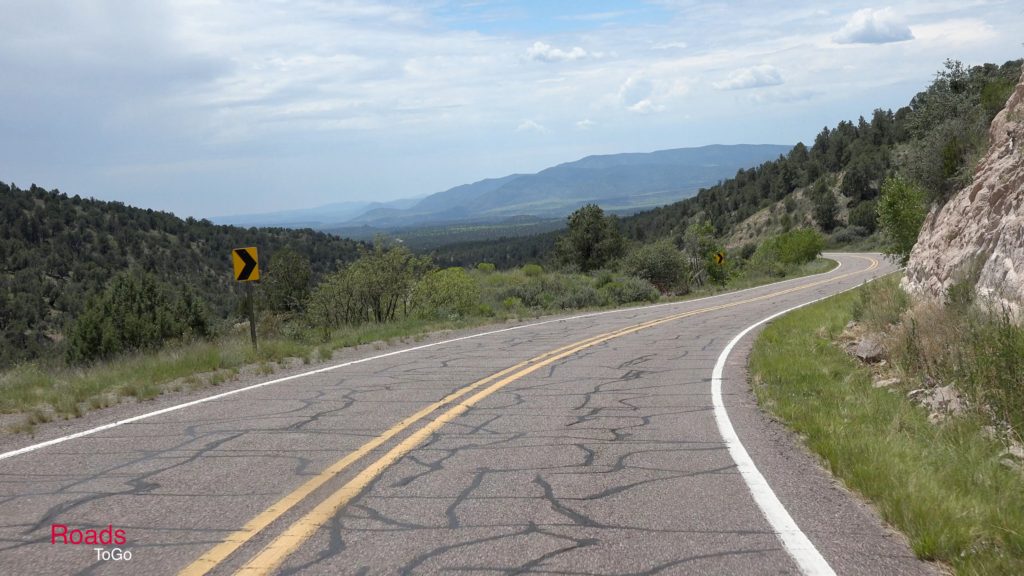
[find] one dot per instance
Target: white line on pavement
(115, 424)
(799, 547)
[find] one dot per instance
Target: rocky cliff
(980, 231)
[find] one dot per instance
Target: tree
(592, 240)
(132, 313)
(865, 215)
(901, 212)
(825, 210)
(287, 282)
(384, 277)
(699, 244)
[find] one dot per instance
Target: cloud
(869, 26)
(753, 77)
(652, 90)
(586, 124)
(543, 52)
(636, 95)
(531, 126)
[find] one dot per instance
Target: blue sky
(209, 109)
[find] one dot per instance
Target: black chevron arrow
(250, 264)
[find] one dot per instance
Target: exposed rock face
(983, 224)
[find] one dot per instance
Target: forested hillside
(56, 251)
(831, 185)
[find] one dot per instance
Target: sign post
(719, 258)
(247, 269)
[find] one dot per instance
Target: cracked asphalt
(606, 461)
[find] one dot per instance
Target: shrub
(578, 295)
(533, 270)
(447, 292)
(865, 215)
(794, 247)
(485, 267)
(880, 304)
(901, 212)
(660, 263)
(134, 312)
(848, 235)
(628, 289)
(286, 284)
(511, 303)
(383, 279)
(334, 303)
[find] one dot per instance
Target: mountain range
(620, 183)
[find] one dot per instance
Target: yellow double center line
(274, 554)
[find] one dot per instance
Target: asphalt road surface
(590, 444)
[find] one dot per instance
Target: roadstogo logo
(109, 536)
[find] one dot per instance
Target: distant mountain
(619, 182)
(318, 218)
(623, 183)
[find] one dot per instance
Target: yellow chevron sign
(247, 266)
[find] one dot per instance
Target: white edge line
(116, 423)
(796, 543)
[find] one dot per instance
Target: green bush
(660, 263)
(134, 312)
(865, 215)
(790, 248)
(629, 289)
(511, 303)
(286, 282)
(335, 303)
(533, 270)
(446, 293)
(901, 212)
(485, 267)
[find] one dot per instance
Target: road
(590, 444)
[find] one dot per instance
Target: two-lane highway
(622, 442)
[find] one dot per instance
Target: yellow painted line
(220, 552)
(273, 555)
(235, 540)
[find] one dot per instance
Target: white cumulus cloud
(586, 124)
(531, 126)
(544, 52)
(870, 26)
(753, 77)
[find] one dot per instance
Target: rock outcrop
(982, 226)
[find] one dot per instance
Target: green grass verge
(941, 485)
(43, 393)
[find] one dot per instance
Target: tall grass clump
(959, 341)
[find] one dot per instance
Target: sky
(209, 108)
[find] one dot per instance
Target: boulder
(870, 350)
(982, 225)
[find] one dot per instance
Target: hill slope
(622, 182)
(833, 184)
(56, 250)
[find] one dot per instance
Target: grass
(942, 485)
(42, 393)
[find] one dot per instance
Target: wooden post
(252, 313)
